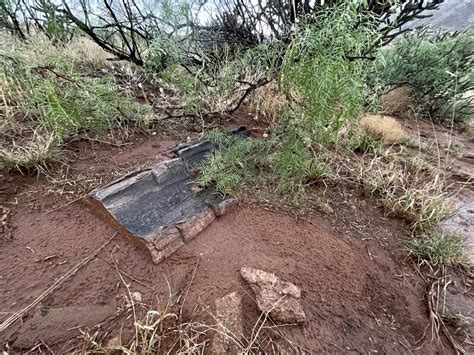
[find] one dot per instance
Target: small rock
(279, 298)
(224, 207)
(230, 326)
(114, 342)
(137, 296)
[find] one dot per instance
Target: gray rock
(157, 207)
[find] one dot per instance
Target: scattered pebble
(137, 296)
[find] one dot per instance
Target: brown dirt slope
(359, 294)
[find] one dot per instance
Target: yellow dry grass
(385, 129)
(268, 102)
(84, 51)
(81, 51)
(399, 102)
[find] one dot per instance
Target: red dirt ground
(360, 294)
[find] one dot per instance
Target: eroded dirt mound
(351, 301)
(357, 295)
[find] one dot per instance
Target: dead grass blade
(436, 297)
(18, 315)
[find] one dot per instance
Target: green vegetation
(310, 75)
(43, 90)
(326, 86)
(162, 53)
(320, 135)
(326, 94)
(314, 81)
(437, 249)
(237, 164)
(438, 67)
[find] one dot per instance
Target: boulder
(278, 298)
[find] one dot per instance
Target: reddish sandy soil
(360, 293)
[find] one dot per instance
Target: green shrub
(162, 53)
(438, 66)
(42, 88)
(438, 249)
(326, 84)
(326, 91)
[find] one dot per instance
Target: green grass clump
(238, 163)
(42, 89)
(437, 249)
(277, 167)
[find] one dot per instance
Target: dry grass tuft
(38, 152)
(442, 320)
(81, 51)
(385, 129)
(154, 332)
(418, 196)
(268, 101)
(164, 329)
(85, 53)
(422, 197)
(399, 101)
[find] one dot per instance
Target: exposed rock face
(279, 298)
(157, 206)
(230, 327)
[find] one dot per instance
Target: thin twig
(132, 303)
(114, 265)
(51, 70)
(65, 205)
(18, 315)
